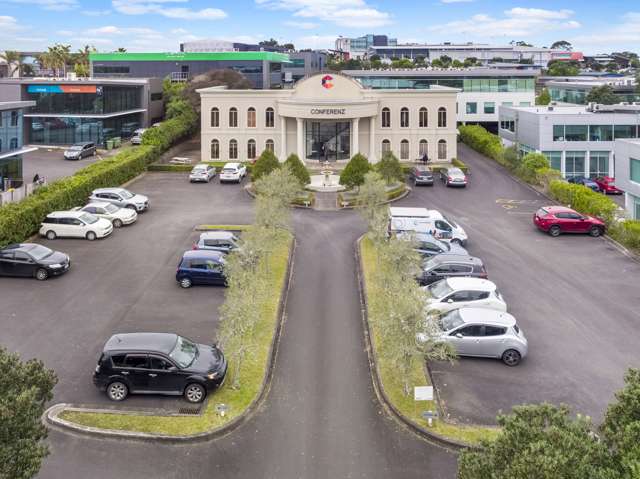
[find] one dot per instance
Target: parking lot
(576, 298)
(123, 283)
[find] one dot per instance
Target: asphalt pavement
(49, 163)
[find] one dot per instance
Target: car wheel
(117, 391)
(194, 393)
(51, 235)
(131, 207)
(511, 357)
(41, 274)
(554, 231)
(457, 241)
(595, 231)
(117, 223)
(91, 236)
(185, 283)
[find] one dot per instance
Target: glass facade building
(10, 141)
(465, 84)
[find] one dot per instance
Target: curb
(404, 194)
(377, 383)
(51, 415)
(247, 189)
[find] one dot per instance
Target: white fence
(13, 195)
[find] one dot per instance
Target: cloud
(316, 41)
(622, 36)
(144, 7)
(8, 23)
(517, 22)
(57, 5)
(455, 1)
(302, 25)
(96, 13)
(345, 13)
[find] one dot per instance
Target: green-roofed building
(263, 69)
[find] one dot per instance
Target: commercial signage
(327, 82)
(328, 111)
(62, 89)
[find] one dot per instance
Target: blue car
(581, 180)
(201, 267)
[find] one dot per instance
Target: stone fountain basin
(326, 183)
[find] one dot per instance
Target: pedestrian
(425, 159)
(36, 178)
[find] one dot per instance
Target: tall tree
(544, 98)
(14, 62)
(561, 45)
(602, 94)
(373, 194)
(389, 168)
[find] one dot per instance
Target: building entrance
(327, 140)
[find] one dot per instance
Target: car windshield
(542, 212)
(229, 170)
(88, 218)
(39, 252)
(450, 221)
(184, 352)
(440, 289)
(451, 320)
(75, 147)
(126, 194)
(111, 208)
(199, 169)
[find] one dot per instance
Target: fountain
(326, 181)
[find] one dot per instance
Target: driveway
(576, 297)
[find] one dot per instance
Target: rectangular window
(156, 96)
(636, 201)
(598, 163)
(624, 131)
(555, 158)
(525, 103)
(634, 170)
(576, 132)
(509, 125)
(600, 133)
(489, 107)
(574, 163)
(472, 108)
(558, 132)
(507, 103)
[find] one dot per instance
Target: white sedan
(117, 216)
(454, 293)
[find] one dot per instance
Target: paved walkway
(326, 201)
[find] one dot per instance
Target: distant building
(303, 64)
(575, 90)
(359, 47)
(11, 143)
(216, 45)
(627, 153)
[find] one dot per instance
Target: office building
(358, 47)
(328, 117)
(578, 140)
(627, 154)
(575, 90)
(11, 143)
(303, 64)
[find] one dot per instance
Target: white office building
(328, 117)
(627, 154)
(578, 140)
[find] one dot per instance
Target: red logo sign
(327, 82)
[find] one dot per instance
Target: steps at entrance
(326, 201)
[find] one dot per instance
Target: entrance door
(328, 140)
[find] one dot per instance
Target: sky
(160, 25)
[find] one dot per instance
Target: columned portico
(355, 133)
(283, 137)
(300, 138)
(372, 140)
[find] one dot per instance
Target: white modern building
(575, 90)
(627, 153)
(578, 140)
(328, 117)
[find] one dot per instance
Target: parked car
(560, 219)
(421, 176)
(450, 265)
(75, 224)
(201, 267)
(158, 363)
(80, 151)
(581, 180)
(223, 241)
(121, 197)
(422, 220)
(202, 172)
(454, 293)
(428, 245)
(32, 261)
(607, 185)
(136, 139)
(453, 176)
(118, 216)
(485, 333)
(233, 172)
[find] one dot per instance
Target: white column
(563, 165)
(300, 138)
(283, 138)
(355, 145)
(372, 140)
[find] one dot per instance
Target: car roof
(487, 316)
(231, 165)
(201, 165)
(97, 204)
(203, 254)
(557, 209)
(216, 235)
(476, 284)
(455, 169)
(66, 214)
(456, 258)
(83, 143)
(160, 342)
(408, 212)
(20, 247)
(108, 190)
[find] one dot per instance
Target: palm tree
(45, 61)
(14, 61)
(80, 60)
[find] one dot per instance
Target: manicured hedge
(482, 141)
(583, 199)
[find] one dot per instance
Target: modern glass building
(11, 146)
(576, 91)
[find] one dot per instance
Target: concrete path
(326, 201)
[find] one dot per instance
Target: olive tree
(390, 169)
(371, 206)
(353, 174)
(274, 194)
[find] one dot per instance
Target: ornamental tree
(353, 174)
(264, 165)
(389, 168)
(372, 196)
(544, 98)
(298, 169)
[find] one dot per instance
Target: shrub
(389, 168)
(547, 175)
(265, 164)
(584, 200)
(628, 233)
(531, 163)
(298, 169)
(353, 173)
(460, 164)
(510, 157)
(482, 141)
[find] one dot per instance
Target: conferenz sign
(328, 111)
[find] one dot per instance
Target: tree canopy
(544, 98)
(264, 165)
(353, 174)
(389, 168)
(561, 45)
(563, 68)
(298, 169)
(603, 95)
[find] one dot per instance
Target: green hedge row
(187, 168)
(482, 141)
(20, 220)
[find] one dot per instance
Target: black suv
(451, 266)
(32, 261)
(421, 176)
(158, 363)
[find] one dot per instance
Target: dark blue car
(581, 180)
(201, 267)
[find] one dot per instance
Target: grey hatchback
(450, 266)
(80, 151)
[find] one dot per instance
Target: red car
(607, 186)
(559, 219)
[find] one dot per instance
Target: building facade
(11, 143)
(627, 154)
(67, 112)
(302, 64)
(262, 69)
(358, 47)
(579, 141)
(575, 91)
(328, 117)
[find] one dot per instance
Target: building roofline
(483, 72)
(12, 105)
(77, 81)
(187, 56)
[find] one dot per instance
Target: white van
(422, 220)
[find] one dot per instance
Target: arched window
(424, 117)
(442, 117)
(251, 117)
(215, 118)
(269, 118)
(404, 117)
(423, 148)
(386, 118)
(14, 118)
(386, 146)
(233, 117)
(442, 149)
(269, 145)
(251, 149)
(13, 144)
(404, 150)
(233, 149)
(215, 150)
